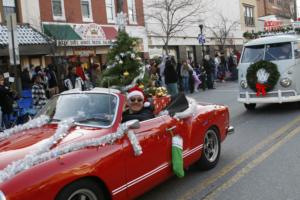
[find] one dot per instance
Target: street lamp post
(202, 42)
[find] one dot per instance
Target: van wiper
(258, 57)
(274, 57)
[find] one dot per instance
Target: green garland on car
(270, 67)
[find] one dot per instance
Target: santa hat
(136, 91)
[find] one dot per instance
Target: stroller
(22, 109)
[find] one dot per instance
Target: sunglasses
(136, 100)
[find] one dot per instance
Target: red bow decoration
(261, 89)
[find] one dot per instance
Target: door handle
(171, 128)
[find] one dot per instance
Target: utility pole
(13, 47)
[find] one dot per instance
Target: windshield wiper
(55, 120)
(102, 119)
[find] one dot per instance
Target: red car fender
(47, 179)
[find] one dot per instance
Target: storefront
(86, 44)
(33, 46)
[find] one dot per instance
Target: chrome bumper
(230, 130)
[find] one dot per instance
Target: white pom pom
(147, 104)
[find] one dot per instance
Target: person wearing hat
(138, 107)
(38, 92)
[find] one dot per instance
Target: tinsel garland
(35, 123)
(44, 153)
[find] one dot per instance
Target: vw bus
(284, 52)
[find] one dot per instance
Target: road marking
(250, 166)
(225, 170)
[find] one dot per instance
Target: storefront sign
(90, 31)
(273, 25)
(84, 42)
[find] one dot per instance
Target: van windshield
(253, 53)
(278, 51)
(270, 52)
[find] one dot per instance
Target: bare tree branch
(222, 29)
(173, 16)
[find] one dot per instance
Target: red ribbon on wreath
(261, 89)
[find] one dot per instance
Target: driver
(137, 107)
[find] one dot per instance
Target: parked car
(93, 157)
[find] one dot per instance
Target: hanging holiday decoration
(177, 158)
(45, 153)
(262, 76)
(126, 73)
(34, 123)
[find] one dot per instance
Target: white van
(284, 52)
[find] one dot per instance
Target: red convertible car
(77, 147)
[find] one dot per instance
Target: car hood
(21, 144)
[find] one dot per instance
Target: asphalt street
(260, 161)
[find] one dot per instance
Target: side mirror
(133, 124)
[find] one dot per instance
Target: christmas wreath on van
(262, 76)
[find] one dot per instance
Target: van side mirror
(133, 124)
(297, 53)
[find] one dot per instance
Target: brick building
(85, 29)
(275, 14)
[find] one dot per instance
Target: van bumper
(277, 97)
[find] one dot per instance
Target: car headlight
(2, 196)
(285, 82)
(244, 84)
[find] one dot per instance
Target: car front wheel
(82, 189)
(211, 150)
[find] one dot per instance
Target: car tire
(80, 189)
(211, 150)
(250, 106)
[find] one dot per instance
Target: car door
(183, 128)
(153, 165)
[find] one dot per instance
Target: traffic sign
(201, 39)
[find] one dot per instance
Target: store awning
(110, 32)
(26, 36)
(61, 32)
(31, 41)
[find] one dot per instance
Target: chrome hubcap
(211, 146)
(83, 194)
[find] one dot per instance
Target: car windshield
(87, 109)
(253, 53)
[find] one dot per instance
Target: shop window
(132, 12)
(58, 10)
(86, 10)
(249, 15)
(110, 10)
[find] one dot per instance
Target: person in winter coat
(6, 102)
(73, 80)
(171, 78)
(38, 92)
(185, 74)
(25, 79)
(52, 80)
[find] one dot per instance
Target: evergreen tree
(123, 62)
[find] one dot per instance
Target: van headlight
(285, 82)
(2, 196)
(244, 84)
